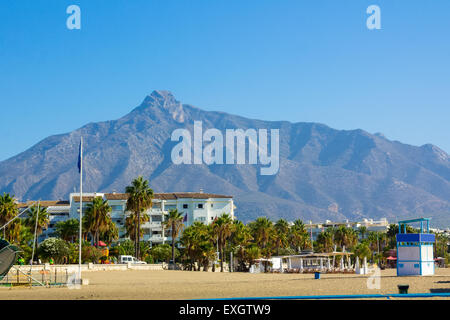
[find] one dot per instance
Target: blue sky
(312, 61)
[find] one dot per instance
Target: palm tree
(240, 239)
(139, 201)
(362, 231)
(131, 225)
(188, 240)
(262, 231)
(174, 222)
(325, 240)
(42, 220)
(345, 237)
(8, 210)
(222, 227)
(281, 234)
(252, 253)
(110, 233)
(67, 230)
(97, 218)
(205, 245)
(299, 235)
(362, 251)
(212, 238)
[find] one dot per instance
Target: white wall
(409, 268)
(408, 253)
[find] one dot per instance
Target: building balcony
(155, 224)
(159, 238)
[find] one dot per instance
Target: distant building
(194, 206)
(57, 211)
(381, 225)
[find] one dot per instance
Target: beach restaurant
(308, 262)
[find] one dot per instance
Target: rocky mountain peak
(166, 101)
(162, 98)
(324, 173)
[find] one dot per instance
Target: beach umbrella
(101, 244)
(357, 270)
(301, 264)
(321, 263)
(342, 264)
(328, 264)
(349, 265)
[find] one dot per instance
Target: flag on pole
(80, 167)
(79, 158)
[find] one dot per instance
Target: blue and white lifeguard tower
(415, 250)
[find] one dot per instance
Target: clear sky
(312, 61)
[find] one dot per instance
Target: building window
(200, 205)
(212, 205)
(185, 206)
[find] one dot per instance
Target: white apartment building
(57, 211)
(195, 206)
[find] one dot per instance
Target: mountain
(324, 173)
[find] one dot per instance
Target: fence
(26, 276)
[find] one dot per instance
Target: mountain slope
(324, 173)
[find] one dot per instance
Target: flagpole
(81, 207)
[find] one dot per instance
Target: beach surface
(173, 285)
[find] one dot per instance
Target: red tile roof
(116, 196)
(184, 195)
(85, 198)
(45, 203)
(124, 196)
(169, 196)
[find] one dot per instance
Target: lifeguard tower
(415, 250)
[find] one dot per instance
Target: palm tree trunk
(221, 256)
(173, 246)
(138, 234)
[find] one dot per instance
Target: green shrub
(126, 248)
(54, 248)
(163, 252)
(149, 259)
(90, 254)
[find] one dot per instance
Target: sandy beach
(169, 285)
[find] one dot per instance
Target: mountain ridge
(324, 173)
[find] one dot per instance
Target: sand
(166, 284)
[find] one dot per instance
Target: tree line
(196, 247)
